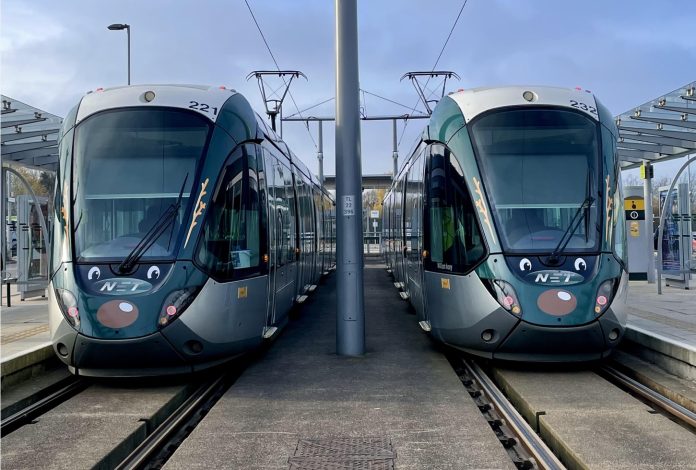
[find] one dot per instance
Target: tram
(504, 227)
(186, 230)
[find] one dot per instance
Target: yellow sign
(242, 292)
(634, 204)
(444, 283)
(635, 229)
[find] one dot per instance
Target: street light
(119, 27)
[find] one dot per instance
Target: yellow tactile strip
(12, 337)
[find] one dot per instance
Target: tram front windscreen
(130, 167)
(540, 170)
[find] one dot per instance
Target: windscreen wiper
(153, 234)
(572, 227)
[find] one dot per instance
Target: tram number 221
(203, 107)
(583, 106)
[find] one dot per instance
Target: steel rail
(50, 401)
(142, 455)
(681, 413)
(529, 439)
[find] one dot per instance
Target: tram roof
(29, 135)
(661, 129)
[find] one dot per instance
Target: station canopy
(661, 129)
(29, 135)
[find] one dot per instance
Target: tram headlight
(175, 304)
(68, 305)
(605, 294)
(506, 296)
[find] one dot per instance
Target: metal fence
(372, 243)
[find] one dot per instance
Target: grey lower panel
(516, 340)
(63, 339)
(152, 355)
(536, 343)
(498, 324)
(112, 357)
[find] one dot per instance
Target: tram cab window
(130, 167)
(540, 167)
(230, 243)
(454, 237)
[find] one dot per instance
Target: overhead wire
(439, 56)
(278, 68)
(365, 92)
(389, 100)
(312, 107)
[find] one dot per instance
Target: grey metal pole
(320, 153)
(128, 33)
(647, 197)
(395, 150)
(350, 312)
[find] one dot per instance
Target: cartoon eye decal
(525, 265)
(580, 264)
(153, 272)
(94, 272)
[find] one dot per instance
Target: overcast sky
(626, 52)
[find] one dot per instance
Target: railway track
(161, 443)
(679, 413)
(53, 396)
(525, 447)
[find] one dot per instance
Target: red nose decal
(117, 313)
(557, 302)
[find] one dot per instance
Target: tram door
(305, 233)
(290, 236)
(274, 227)
(280, 284)
(413, 216)
(401, 235)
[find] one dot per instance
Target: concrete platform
(95, 429)
(682, 391)
(591, 423)
(672, 314)
(662, 328)
(402, 390)
(23, 326)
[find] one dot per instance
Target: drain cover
(343, 453)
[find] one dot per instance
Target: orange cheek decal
(557, 302)
(117, 313)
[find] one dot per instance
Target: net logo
(122, 286)
(553, 277)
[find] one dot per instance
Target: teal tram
(185, 231)
(504, 227)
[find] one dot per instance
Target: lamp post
(119, 27)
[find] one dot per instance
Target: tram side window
(619, 228)
(290, 235)
(455, 239)
(230, 242)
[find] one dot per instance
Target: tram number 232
(203, 107)
(583, 106)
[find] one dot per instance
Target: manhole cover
(343, 453)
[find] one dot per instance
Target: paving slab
(672, 314)
(591, 423)
(96, 428)
(403, 389)
(24, 326)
